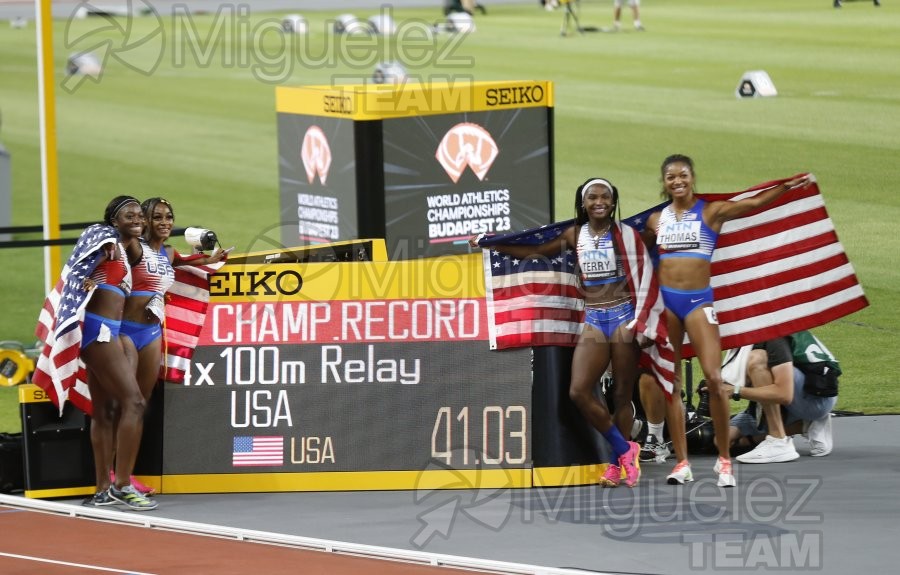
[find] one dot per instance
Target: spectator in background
(467, 6)
(635, 12)
(838, 3)
(777, 385)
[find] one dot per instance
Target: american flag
(779, 269)
(257, 451)
(186, 303)
(59, 370)
(775, 271)
(537, 300)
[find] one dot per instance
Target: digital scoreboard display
(424, 166)
(448, 177)
(317, 171)
(364, 367)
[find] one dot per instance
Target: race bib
(683, 235)
(598, 264)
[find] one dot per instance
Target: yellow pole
(49, 164)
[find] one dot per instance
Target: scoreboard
(423, 165)
(362, 375)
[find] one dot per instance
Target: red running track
(42, 543)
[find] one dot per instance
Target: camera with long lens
(700, 435)
(200, 239)
(703, 403)
(698, 425)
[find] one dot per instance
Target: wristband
(479, 237)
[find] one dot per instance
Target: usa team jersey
(688, 238)
(115, 273)
(597, 258)
(153, 275)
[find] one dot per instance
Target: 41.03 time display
(494, 436)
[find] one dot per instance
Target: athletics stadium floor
(834, 514)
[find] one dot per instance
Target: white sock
(656, 430)
(637, 23)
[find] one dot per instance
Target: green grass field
(199, 127)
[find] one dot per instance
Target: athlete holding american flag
(620, 300)
(144, 312)
(685, 233)
(85, 359)
(179, 303)
(185, 299)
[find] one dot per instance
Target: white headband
(593, 182)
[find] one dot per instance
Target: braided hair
(115, 206)
(581, 215)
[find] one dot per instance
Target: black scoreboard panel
(346, 367)
(351, 407)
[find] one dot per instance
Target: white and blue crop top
(688, 238)
(597, 258)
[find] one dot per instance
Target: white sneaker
(681, 474)
(726, 475)
(771, 450)
(821, 440)
(655, 450)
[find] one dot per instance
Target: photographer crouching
(793, 381)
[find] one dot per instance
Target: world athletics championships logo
(316, 154)
(467, 144)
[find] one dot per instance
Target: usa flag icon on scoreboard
(261, 451)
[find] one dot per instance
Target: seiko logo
(255, 283)
(464, 145)
(337, 104)
(515, 95)
(316, 154)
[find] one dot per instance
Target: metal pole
(49, 163)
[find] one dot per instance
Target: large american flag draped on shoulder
(186, 303)
(777, 270)
(59, 370)
(532, 301)
(537, 300)
(781, 269)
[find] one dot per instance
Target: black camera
(703, 403)
(701, 438)
(699, 426)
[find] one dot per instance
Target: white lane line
(68, 564)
